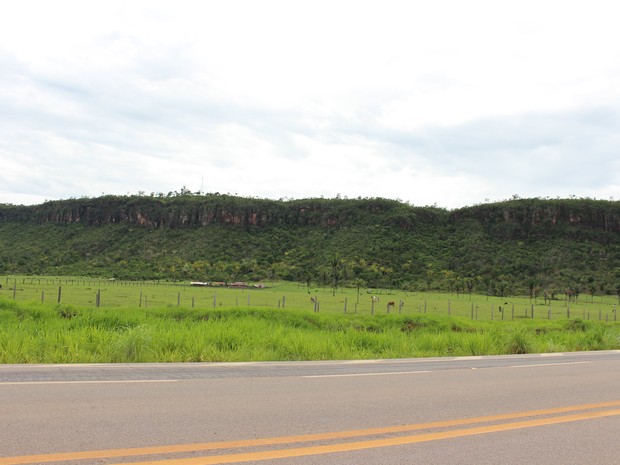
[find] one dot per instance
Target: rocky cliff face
(516, 217)
(530, 215)
(200, 211)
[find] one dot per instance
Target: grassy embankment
(232, 330)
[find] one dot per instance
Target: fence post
(140, 305)
(345, 305)
(59, 293)
(283, 301)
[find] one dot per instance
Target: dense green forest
(521, 246)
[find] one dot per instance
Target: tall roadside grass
(44, 333)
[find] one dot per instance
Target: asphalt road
(534, 409)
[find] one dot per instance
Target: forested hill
(518, 246)
(179, 211)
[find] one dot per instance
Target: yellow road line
(376, 443)
(110, 453)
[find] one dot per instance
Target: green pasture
(173, 322)
(102, 293)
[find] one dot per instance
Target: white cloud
(442, 102)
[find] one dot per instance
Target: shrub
(519, 341)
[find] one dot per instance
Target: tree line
(536, 247)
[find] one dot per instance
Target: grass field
(166, 322)
(83, 292)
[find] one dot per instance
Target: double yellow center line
(502, 422)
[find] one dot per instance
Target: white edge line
(346, 375)
(34, 383)
(544, 364)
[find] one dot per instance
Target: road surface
(534, 409)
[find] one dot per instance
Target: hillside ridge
(208, 209)
(514, 246)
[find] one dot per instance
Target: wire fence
(89, 292)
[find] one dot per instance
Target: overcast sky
(451, 103)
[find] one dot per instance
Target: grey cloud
(581, 144)
(573, 150)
